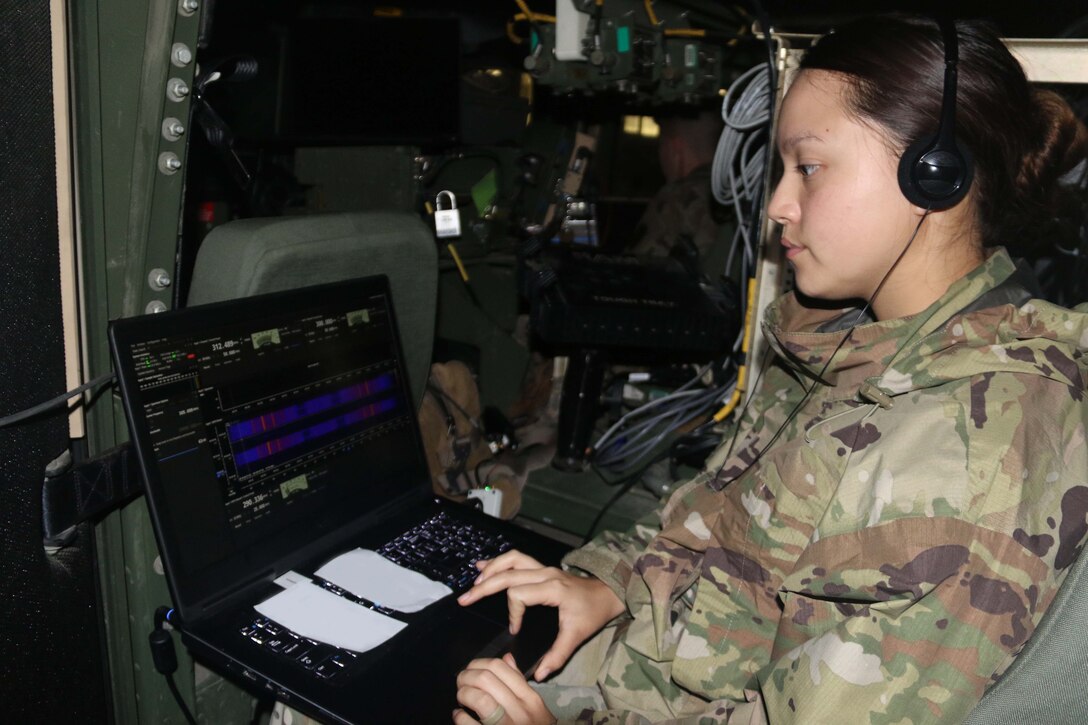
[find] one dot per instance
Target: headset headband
(935, 172)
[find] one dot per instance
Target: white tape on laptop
(320, 615)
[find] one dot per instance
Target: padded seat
(254, 256)
(1048, 681)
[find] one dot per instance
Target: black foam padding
(51, 665)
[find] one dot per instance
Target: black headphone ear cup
(935, 177)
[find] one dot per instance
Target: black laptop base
(414, 684)
(408, 678)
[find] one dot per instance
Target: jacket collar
(868, 360)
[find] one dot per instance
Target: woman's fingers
(566, 641)
(487, 685)
(479, 701)
(507, 580)
(519, 598)
(512, 559)
(460, 717)
(585, 604)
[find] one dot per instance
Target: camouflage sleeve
(720, 712)
(925, 654)
(940, 601)
(912, 658)
(611, 554)
(939, 626)
(915, 658)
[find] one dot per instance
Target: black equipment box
(600, 301)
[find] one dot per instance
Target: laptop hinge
(223, 598)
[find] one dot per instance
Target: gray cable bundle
(741, 159)
(637, 433)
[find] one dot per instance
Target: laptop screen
(264, 423)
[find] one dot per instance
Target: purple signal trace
(241, 430)
(314, 432)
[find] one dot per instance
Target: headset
(935, 172)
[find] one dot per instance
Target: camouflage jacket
(681, 208)
(892, 551)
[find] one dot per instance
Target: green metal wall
(128, 220)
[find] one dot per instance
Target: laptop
(275, 433)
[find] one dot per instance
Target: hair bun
(1060, 142)
(1063, 142)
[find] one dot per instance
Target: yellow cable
(453, 249)
(742, 374)
(650, 12)
(674, 32)
(527, 14)
(728, 407)
(685, 33)
(536, 18)
(514, 37)
(457, 261)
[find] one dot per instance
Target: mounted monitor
(340, 79)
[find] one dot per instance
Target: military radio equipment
(626, 47)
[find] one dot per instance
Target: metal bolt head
(154, 307)
(180, 55)
(189, 6)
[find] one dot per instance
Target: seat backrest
(253, 256)
(1048, 681)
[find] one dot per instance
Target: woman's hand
(585, 604)
(497, 692)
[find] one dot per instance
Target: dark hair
(1022, 139)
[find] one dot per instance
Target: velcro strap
(72, 494)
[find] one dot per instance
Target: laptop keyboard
(441, 548)
(445, 550)
(323, 661)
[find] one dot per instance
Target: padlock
(447, 222)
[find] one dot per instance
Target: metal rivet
(154, 307)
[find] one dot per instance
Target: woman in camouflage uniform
(905, 495)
